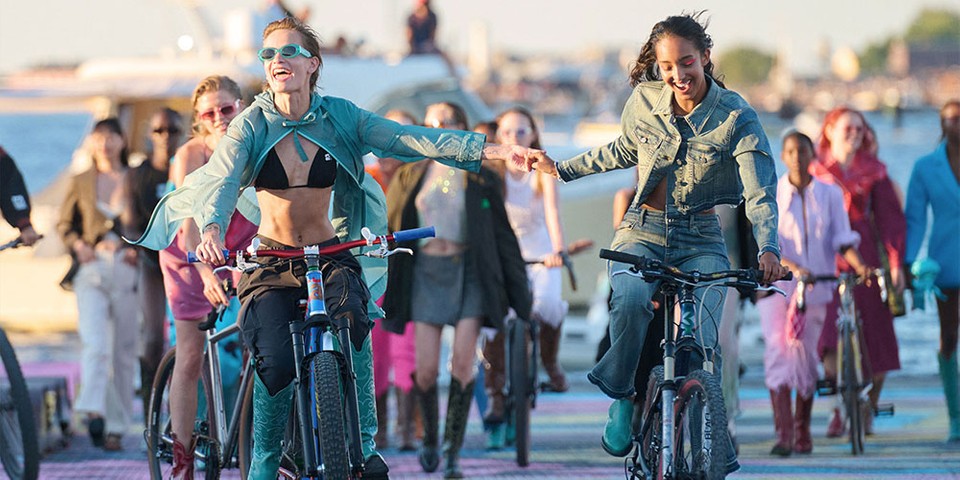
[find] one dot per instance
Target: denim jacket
(719, 155)
(211, 193)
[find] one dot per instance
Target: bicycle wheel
(700, 428)
(651, 427)
(159, 436)
(330, 412)
(850, 391)
(19, 451)
(520, 383)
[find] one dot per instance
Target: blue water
(42, 144)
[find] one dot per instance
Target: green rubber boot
(616, 434)
(375, 467)
(948, 375)
(269, 422)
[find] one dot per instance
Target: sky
(64, 31)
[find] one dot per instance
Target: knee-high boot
(374, 466)
(782, 421)
(430, 412)
(802, 441)
(269, 422)
(948, 375)
(406, 424)
(549, 349)
(458, 411)
(494, 378)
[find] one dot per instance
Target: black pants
(271, 297)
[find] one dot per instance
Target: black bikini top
(272, 176)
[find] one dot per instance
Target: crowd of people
(288, 169)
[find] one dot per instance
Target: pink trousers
(786, 361)
(393, 352)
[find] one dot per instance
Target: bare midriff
(297, 216)
(441, 247)
(657, 200)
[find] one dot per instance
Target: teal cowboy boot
(616, 434)
(374, 466)
(948, 374)
(269, 422)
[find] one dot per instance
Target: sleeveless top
(526, 214)
(441, 202)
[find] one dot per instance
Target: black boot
(458, 411)
(429, 456)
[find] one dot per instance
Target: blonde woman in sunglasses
(193, 290)
(295, 148)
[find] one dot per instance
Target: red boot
(783, 421)
(836, 427)
(182, 460)
(803, 443)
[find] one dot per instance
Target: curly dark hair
(685, 25)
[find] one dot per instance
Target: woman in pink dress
(192, 288)
(847, 158)
(813, 228)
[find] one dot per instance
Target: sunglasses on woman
(225, 110)
(287, 51)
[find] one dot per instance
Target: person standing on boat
(296, 148)
(935, 185)
(697, 145)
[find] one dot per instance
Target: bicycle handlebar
(16, 243)
(659, 270)
(369, 240)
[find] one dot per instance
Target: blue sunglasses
(287, 51)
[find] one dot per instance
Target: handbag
(894, 299)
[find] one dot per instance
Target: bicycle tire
(520, 382)
(850, 390)
(700, 417)
(651, 427)
(16, 419)
(330, 414)
(158, 436)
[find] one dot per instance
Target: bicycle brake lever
(771, 288)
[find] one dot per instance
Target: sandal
(113, 442)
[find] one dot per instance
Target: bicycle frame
(227, 434)
(848, 326)
(317, 333)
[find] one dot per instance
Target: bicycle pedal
(884, 410)
(826, 387)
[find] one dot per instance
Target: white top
(441, 202)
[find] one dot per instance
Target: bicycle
(680, 431)
(854, 387)
(522, 353)
(19, 448)
(323, 436)
(217, 440)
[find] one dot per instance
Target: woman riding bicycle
(296, 147)
(192, 288)
(697, 145)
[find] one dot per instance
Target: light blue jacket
(933, 185)
(211, 193)
(724, 159)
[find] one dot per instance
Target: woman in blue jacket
(935, 184)
(296, 148)
(696, 145)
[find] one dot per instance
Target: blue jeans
(692, 242)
